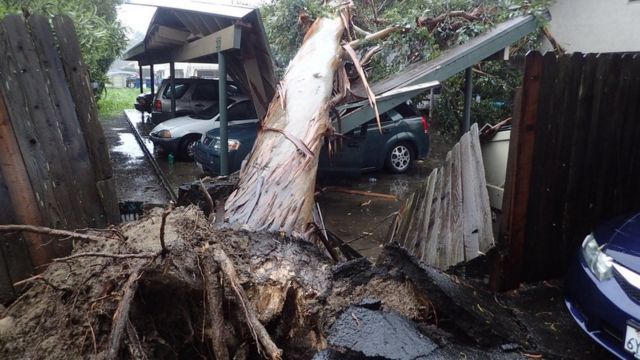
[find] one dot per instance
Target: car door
(376, 140)
(346, 152)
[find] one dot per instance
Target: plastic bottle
(170, 158)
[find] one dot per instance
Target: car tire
(400, 158)
(187, 147)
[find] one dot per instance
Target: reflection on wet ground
(135, 179)
(177, 172)
(364, 221)
(361, 220)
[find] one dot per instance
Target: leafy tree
(102, 37)
(425, 28)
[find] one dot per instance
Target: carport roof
(175, 26)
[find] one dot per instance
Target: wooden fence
(54, 164)
(448, 219)
(574, 160)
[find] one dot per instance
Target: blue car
(403, 138)
(603, 287)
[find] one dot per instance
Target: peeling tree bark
(276, 187)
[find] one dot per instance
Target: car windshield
(207, 113)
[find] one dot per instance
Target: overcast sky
(137, 17)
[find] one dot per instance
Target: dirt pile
(74, 309)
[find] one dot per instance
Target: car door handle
(386, 131)
(352, 144)
(198, 105)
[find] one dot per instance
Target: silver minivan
(192, 96)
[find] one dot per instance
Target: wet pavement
(177, 172)
(362, 221)
(135, 179)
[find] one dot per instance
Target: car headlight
(163, 134)
(599, 262)
(232, 143)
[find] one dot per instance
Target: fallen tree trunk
(280, 173)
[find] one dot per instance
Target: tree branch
(378, 35)
(432, 23)
(50, 231)
(108, 255)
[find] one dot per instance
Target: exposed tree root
(121, 316)
(258, 331)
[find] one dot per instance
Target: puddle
(128, 147)
(177, 173)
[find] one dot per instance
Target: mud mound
(124, 298)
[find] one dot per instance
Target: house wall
(594, 26)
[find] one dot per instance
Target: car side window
(180, 90)
(242, 111)
(384, 118)
(206, 91)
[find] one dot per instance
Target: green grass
(115, 100)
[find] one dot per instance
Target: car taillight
(425, 124)
(158, 105)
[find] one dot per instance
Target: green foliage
(496, 81)
(283, 27)
(102, 37)
(115, 100)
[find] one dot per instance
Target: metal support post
(468, 90)
(172, 82)
(152, 75)
(141, 78)
(222, 103)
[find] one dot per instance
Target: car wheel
(187, 147)
(400, 157)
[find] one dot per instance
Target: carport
(231, 36)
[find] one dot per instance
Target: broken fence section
(54, 164)
(448, 220)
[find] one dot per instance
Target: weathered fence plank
(50, 158)
(519, 176)
(30, 199)
(79, 82)
(11, 267)
(29, 83)
(74, 146)
(448, 219)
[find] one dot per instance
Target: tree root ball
(76, 310)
